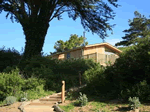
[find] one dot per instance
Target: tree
(139, 28)
(35, 15)
(73, 42)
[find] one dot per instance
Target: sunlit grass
(68, 107)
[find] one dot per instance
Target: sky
(12, 36)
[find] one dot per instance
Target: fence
(102, 58)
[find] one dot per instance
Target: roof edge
(89, 46)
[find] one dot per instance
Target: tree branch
(56, 14)
(23, 9)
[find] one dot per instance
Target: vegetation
(8, 57)
(68, 107)
(134, 102)
(10, 100)
(139, 28)
(95, 105)
(40, 76)
(35, 15)
(13, 84)
(124, 48)
(73, 42)
(82, 100)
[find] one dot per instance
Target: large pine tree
(35, 16)
(139, 28)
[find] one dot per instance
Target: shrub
(13, 84)
(10, 83)
(134, 102)
(8, 57)
(40, 89)
(53, 71)
(10, 100)
(130, 69)
(22, 96)
(32, 66)
(82, 99)
(141, 90)
(94, 74)
(95, 79)
(32, 83)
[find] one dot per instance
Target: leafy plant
(23, 97)
(134, 102)
(10, 100)
(10, 83)
(82, 99)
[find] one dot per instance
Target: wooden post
(63, 92)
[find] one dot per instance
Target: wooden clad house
(101, 53)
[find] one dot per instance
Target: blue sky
(11, 34)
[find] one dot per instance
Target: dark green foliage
(95, 79)
(73, 42)
(139, 28)
(130, 69)
(35, 15)
(54, 71)
(74, 66)
(142, 90)
(129, 76)
(35, 64)
(8, 57)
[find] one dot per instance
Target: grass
(96, 104)
(68, 107)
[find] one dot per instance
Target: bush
(82, 99)
(23, 97)
(32, 66)
(8, 57)
(53, 71)
(94, 74)
(10, 100)
(32, 83)
(134, 102)
(10, 83)
(95, 79)
(131, 68)
(13, 84)
(141, 90)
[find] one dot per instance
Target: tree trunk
(35, 33)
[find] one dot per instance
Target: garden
(123, 86)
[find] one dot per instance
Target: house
(101, 53)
